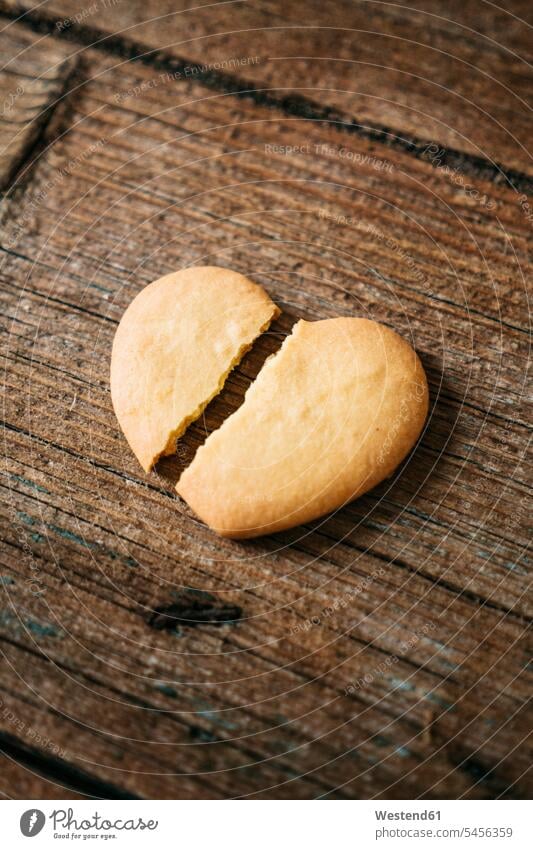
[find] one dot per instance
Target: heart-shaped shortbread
(328, 417)
(173, 349)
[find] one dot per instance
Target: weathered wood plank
(210, 716)
(24, 782)
(408, 587)
(33, 77)
(466, 250)
(46, 527)
(455, 74)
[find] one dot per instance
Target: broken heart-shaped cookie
(174, 348)
(329, 416)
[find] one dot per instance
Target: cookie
(328, 417)
(173, 349)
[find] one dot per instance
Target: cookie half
(173, 349)
(329, 416)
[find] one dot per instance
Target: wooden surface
(383, 651)
(33, 77)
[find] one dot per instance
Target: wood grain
(381, 652)
(23, 782)
(455, 74)
(33, 76)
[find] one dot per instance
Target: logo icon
(32, 822)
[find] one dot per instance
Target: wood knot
(192, 608)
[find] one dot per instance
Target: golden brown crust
(173, 349)
(331, 415)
